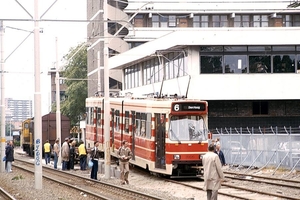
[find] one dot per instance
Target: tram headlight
(176, 157)
(201, 157)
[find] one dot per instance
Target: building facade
(17, 110)
(243, 57)
(62, 86)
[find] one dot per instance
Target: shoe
(127, 182)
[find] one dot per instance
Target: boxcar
(48, 131)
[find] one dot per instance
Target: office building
(243, 57)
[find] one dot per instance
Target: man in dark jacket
(220, 154)
(9, 153)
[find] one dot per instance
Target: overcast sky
(19, 81)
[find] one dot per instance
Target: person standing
(220, 153)
(72, 154)
(47, 151)
(95, 155)
(82, 155)
(65, 154)
(213, 174)
(124, 155)
(56, 150)
(7, 145)
(9, 153)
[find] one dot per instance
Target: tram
(167, 136)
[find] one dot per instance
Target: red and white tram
(167, 136)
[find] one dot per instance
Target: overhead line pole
(106, 94)
(58, 113)
(2, 97)
(37, 102)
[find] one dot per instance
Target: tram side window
(126, 121)
(143, 125)
(117, 121)
(90, 116)
(99, 116)
(133, 122)
(148, 125)
(137, 124)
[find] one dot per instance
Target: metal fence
(277, 147)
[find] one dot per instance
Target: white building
(243, 57)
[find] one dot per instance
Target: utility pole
(2, 97)
(37, 103)
(58, 114)
(106, 94)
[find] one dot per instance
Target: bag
(90, 163)
(4, 158)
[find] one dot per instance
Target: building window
(296, 20)
(155, 20)
(139, 20)
(235, 64)
(242, 21)
(219, 21)
(284, 64)
(200, 21)
(260, 108)
(211, 64)
(172, 21)
(260, 64)
(260, 21)
(164, 20)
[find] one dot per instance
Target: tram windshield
(188, 128)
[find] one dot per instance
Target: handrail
(272, 130)
(259, 130)
(236, 130)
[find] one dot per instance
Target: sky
(18, 43)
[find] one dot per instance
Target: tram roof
(207, 36)
(97, 101)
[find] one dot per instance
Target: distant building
(17, 110)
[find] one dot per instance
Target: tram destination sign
(188, 106)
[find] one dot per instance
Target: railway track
(254, 187)
(86, 186)
(282, 188)
(5, 195)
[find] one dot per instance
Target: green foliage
(18, 177)
(76, 74)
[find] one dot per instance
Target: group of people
(68, 156)
(68, 153)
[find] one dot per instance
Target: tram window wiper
(175, 136)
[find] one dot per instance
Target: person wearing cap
(95, 156)
(65, 154)
(124, 155)
(213, 174)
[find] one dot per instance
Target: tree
(75, 73)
